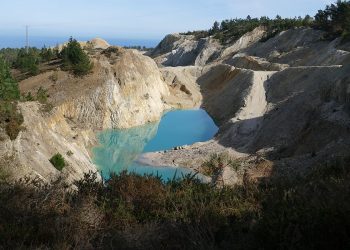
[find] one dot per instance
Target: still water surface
(119, 148)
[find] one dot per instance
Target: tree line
(334, 19)
(138, 47)
(72, 57)
(28, 60)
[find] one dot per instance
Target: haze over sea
(40, 41)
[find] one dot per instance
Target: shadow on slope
(307, 109)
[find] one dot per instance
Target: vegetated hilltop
(233, 35)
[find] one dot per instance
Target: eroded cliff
(285, 99)
(124, 89)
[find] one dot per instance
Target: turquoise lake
(119, 148)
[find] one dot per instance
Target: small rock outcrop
(95, 43)
(184, 90)
(98, 43)
(254, 63)
(244, 42)
(185, 50)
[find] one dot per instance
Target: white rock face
(296, 113)
(244, 42)
(287, 97)
(124, 90)
(44, 137)
(233, 93)
(98, 43)
(184, 90)
(184, 50)
(208, 51)
(300, 47)
(133, 92)
(129, 93)
(95, 43)
(254, 63)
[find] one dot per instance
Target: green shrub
(41, 95)
(217, 162)
(10, 118)
(335, 20)
(54, 76)
(46, 54)
(4, 175)
(75, 59)
(46, 107)
(28, 62)
(58, 161)
(28, 97)
(198, 34)
(9, 55)
(8, 86)
(13, 128)
(346, 36)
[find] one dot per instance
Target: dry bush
(133, 212)
(10, 119)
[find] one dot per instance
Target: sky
(135, 19)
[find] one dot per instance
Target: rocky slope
(185, 92)
(43, 136)
(125, 89)
(94, 44)
(183, 50)
(286, 99)
(294, 47)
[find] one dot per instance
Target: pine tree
(8, 86)
(75, 59)
(335, 19)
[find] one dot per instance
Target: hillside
(124, 89)
(285, 99)
(276, 174)
(249, 87)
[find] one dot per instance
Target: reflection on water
(119, 148)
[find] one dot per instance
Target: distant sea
(39, 42)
